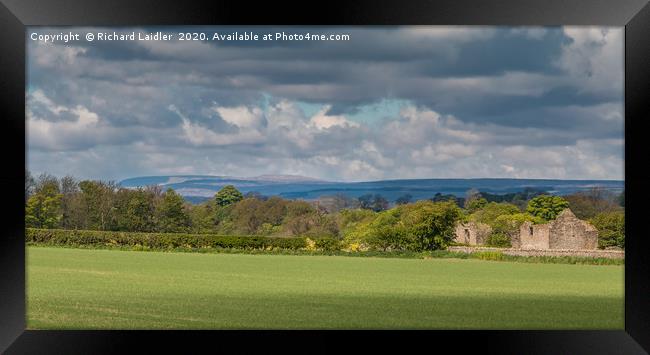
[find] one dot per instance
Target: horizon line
(334, 181)
(377, 180)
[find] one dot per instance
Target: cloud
(72, 127)
(242, 117)
(198, 135)
(594, 59)
(324, 121)
(473, 102)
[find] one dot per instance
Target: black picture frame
(16, 14)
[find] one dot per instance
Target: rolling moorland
(198, 188)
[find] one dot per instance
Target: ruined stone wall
(572, 236)
(483, 231)
(515, 239)
(610, 254)
(462, 234)
(565, 232)
(472, 233)
(569, 232)
(534, 236)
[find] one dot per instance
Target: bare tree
(30, 184)
(471, 195)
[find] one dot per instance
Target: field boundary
(609, 254)
(294, 246)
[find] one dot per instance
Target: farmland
(110, 289)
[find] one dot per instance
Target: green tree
(386, 232)
(491, 211)
(45, 181)
(44, 207)
(301, 217)
(439, 197)
(587, 204)
(404, 199)
(547, 207)
(475, 204)
(97, 200)
(250, 214)
(69, 202)
(349, 220)
(374, 202)
(274, 210)
(423, 225)
(134, 210)
(247, 215)
(305, 219)
(430, 225)
(222, 219)
(611, 229)
(228, 195)
(172, 217)
(202, 218)
(76, 216)
(299, 208)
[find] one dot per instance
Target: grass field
(106, 289)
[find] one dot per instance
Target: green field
(107, 289)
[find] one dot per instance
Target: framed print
(231, 176)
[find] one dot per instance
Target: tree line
(369, 220)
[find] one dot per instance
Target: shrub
(430, 225)
(424, 225)
(386, 232)
(488, 255)
(310, 244)
(328, 244)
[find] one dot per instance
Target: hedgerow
(206, 243)
(164, 240)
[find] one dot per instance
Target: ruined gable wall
(572, 233)
(539, 239)
(591, 239)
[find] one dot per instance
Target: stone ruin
(565, 232)
(472, 233)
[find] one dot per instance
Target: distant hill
(197, 188)
(284, 178)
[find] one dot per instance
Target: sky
(389, 103)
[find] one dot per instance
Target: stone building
(472, 233)
(565, 232)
